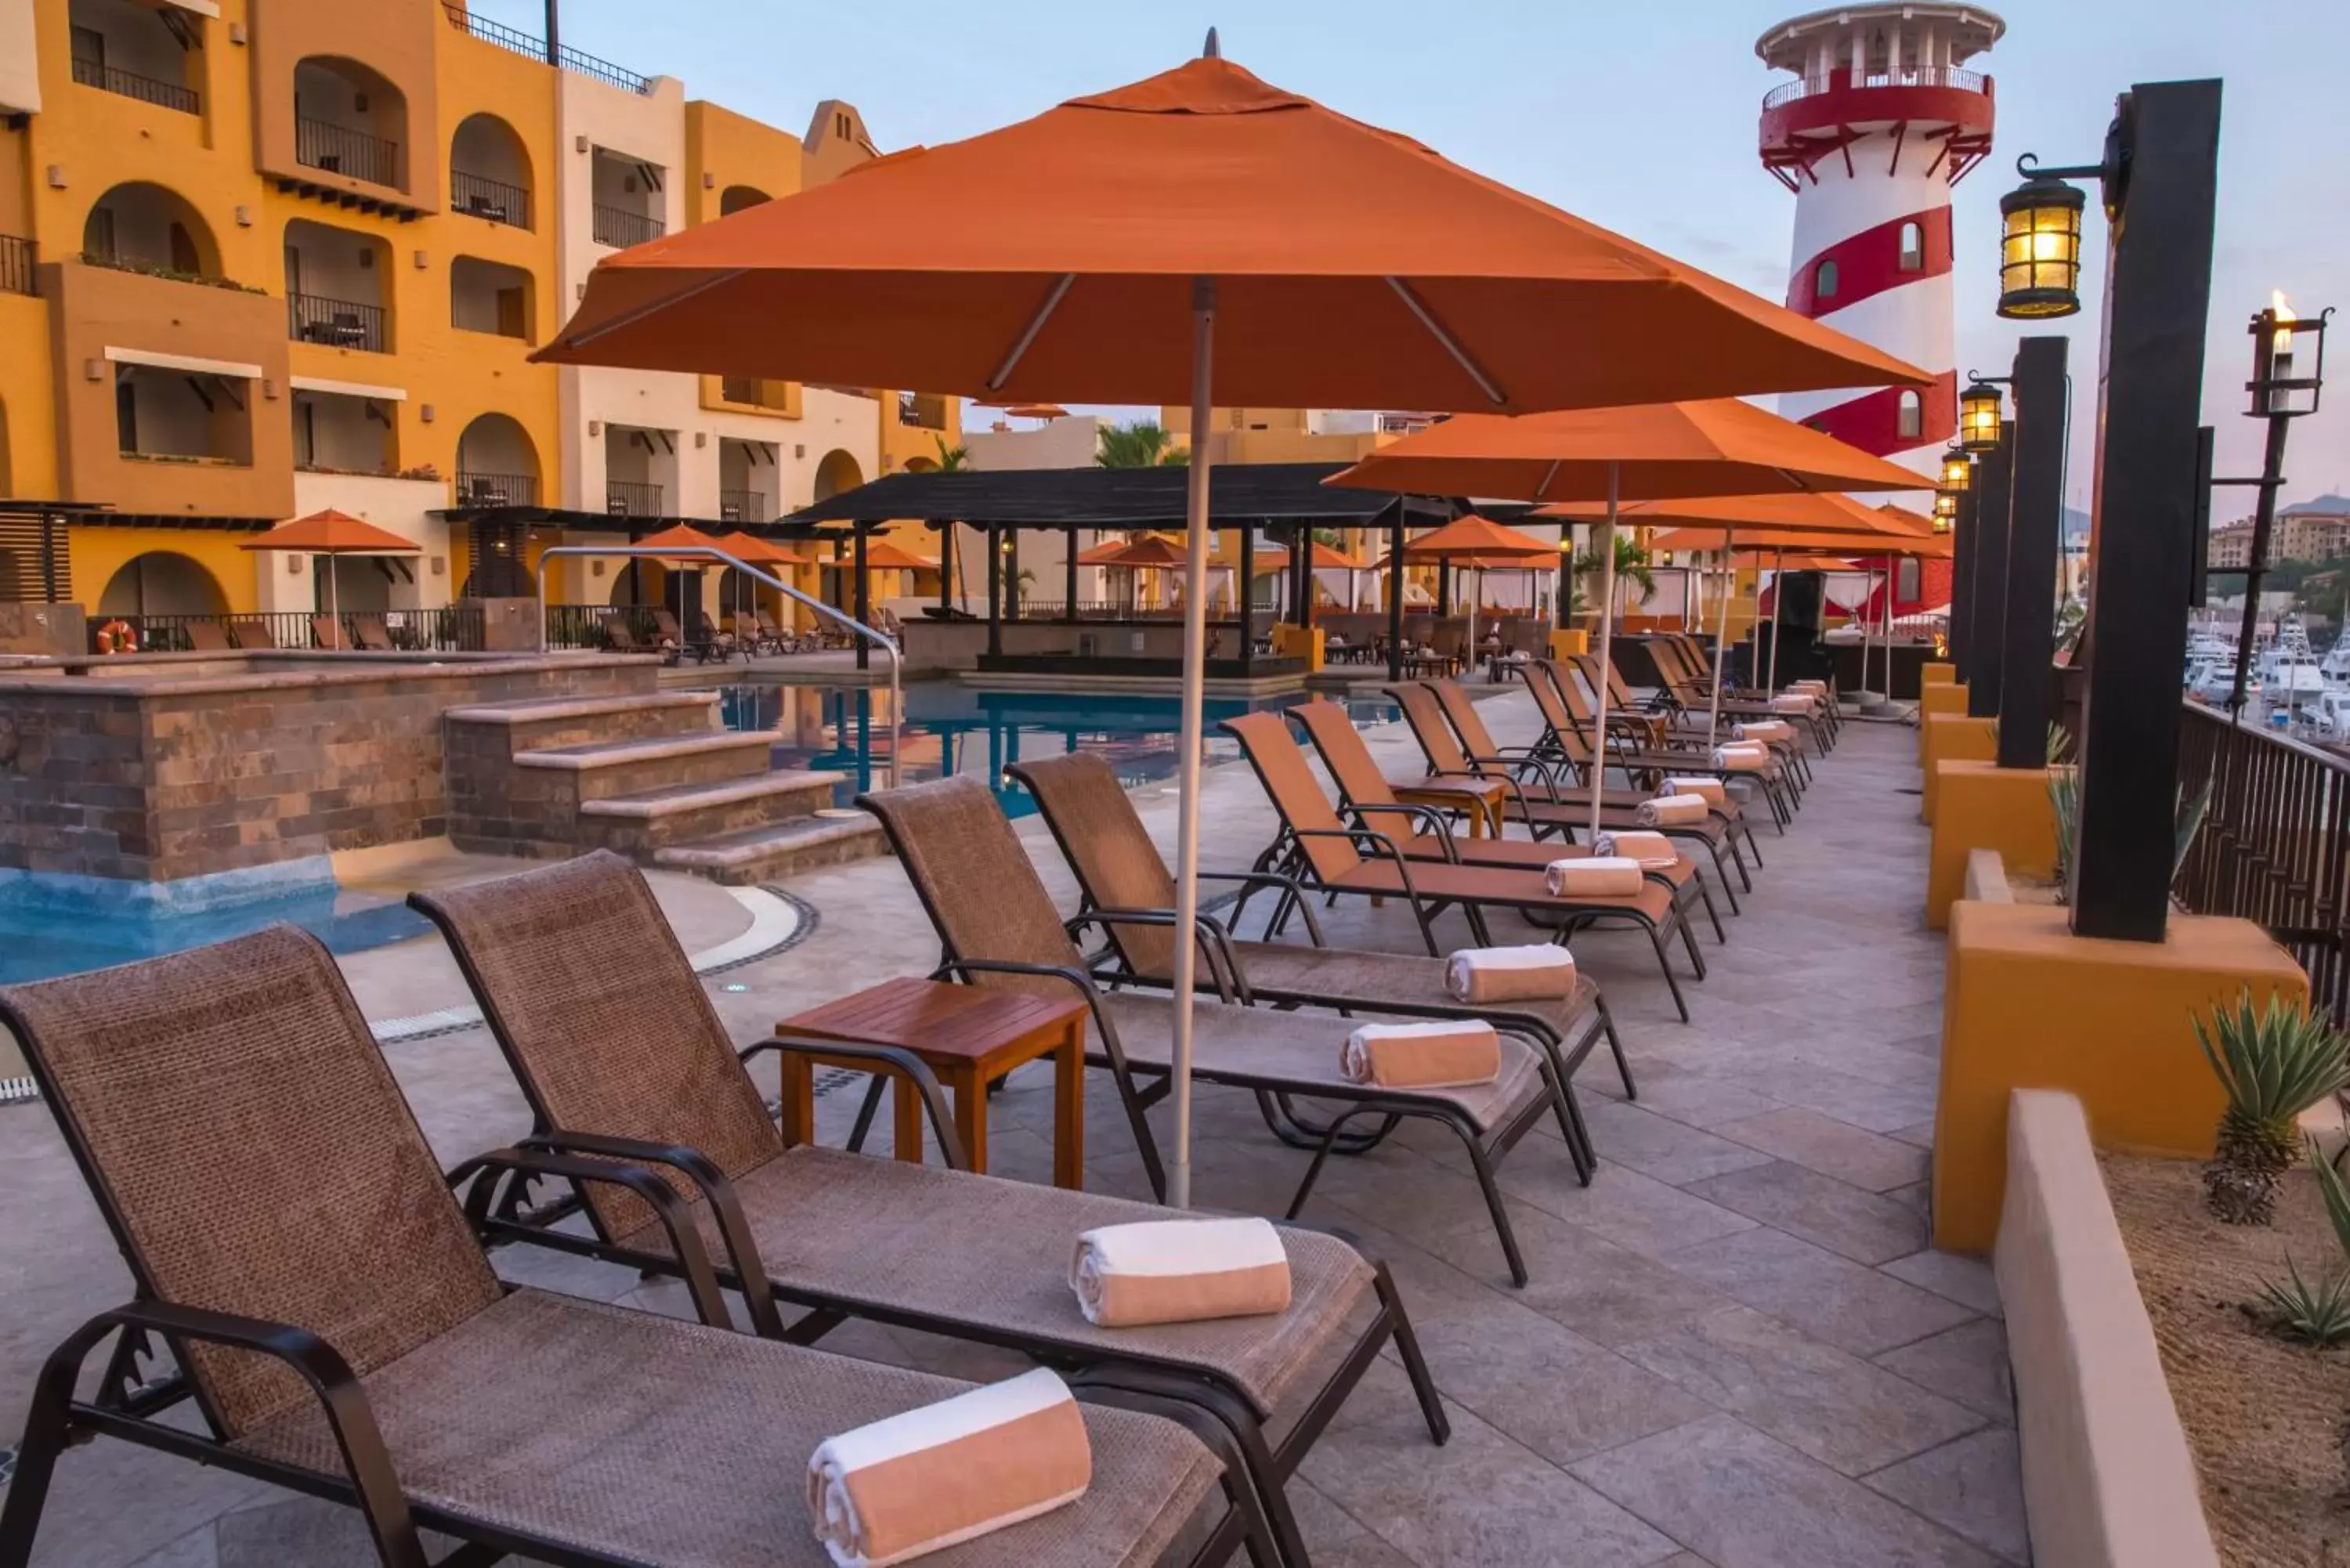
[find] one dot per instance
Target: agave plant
(2064, 800)
(2274, 1063)
(2319, 1311)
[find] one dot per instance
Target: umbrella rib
(1548, 474)
(1035, 324)
(1418, 307)
(630, 317)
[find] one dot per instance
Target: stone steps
(567, 721)
(779, 849)
(655, 820)
(606, 770)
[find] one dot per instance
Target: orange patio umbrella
(1479, 543)
(1198, 237)
(752, 550)
(331, 533)
(682, 537)
(881, 555)
(1151, 551)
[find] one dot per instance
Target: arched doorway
(162, 582)
(489, 171)
(497, 463)
(837, 472)
(149, 228)
(348, 119)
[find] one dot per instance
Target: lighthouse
(1883, 117)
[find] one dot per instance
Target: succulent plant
(2274, 1062)
(2319, 1311)
(2064, 800)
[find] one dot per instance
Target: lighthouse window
(1910, 418)
(1824, 281)
(1913, 248)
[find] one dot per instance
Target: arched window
(149, 229)
(1913, 248)
(497, 464)
(1909, 419)
(489, 171)
(1824, 281)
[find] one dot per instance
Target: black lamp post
(2279, 395)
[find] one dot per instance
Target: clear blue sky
(1640, 116)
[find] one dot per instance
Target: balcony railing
(1840, 80)
(478, 489)
(619, 228)
(339, 150)
(632, 498)
(479, 197)
(337, 322)
(452, 628)
(2275, 843)
(129, 84)
(743, 506)
(17, 259)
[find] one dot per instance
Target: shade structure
(752, 550)
(332, 533)
(1198, 237)
(1153, 550)
(1492, 543)
(682, 537)
(1703, 517)
(1045, 412)
(881, 555)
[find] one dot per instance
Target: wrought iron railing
(18, 257)
(2275, 843)
(478, 489)
(590, 626)
(523, 44)
(620, 228)
(1838, 80)
(451, 628)
(632, 498)
(340, 149)
(743, 506)
(337, 322)
(479, 197)
(131, 84)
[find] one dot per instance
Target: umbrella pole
(1606, 548)
(1722, 637)
(1195, 671)
(1778, 598)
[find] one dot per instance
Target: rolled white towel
(1653, 851)
(1672, 810)
(1593, 876)
(1535, 972)
(1792, 702)
(1742, 759)
(1446, 1055)
(1763, 730)
(1809, 688)
(1180, 1270)
(926, 1479)
(1708, 790)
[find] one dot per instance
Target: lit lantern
(1958, 469)
(2040, 249)
(2287, 375)
(1978, 417)
(1946, 510)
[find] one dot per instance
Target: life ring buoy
(117, 636)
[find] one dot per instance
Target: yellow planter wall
(1982, 805)
(1952, 737)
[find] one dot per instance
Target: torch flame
(2279, 307)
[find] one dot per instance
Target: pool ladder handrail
(881, 640)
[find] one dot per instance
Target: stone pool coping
(39, 677)
(2108, 1481)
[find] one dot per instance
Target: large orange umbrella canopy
(1492, 543)
(333, 532)
(683, 536)
(881, 555)
(1703, 518)
(1150, 550)
(752, 550)
(1056, 259)
(1713, 446)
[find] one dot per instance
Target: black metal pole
(1244, 591)
(2034, 526)
(864, 592)
(995, 595)
(946, 569)
(1305, 577)
(1069, 579)
(1991, 489)
(1962, 583)
(1444, 587)
(1395, 590)
(2158, 300)
(554, 32)
(2257, 567)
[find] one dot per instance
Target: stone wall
(51, 631)
(159, 778)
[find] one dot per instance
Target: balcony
(339, 150)
(476, 489)
(129, 84)
(620, 228)
(531, 48)
(743, 506)
(18, 258)
(478, 196)
(337, 322)
(1951, 77)
(632, 498)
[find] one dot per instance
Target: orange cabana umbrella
(331, 533)
(752, 550)
(682, 537)
(1198, 237)
(1151, 551)
(1478, 543)
(881, 555)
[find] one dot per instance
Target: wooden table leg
(905, 1119)
(799, 1095)
(1069, 1109)
(970, 1117)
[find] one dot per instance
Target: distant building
(2232, 546)
(2315, 530)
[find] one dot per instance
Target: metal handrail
(1843, 77)
(886, 643)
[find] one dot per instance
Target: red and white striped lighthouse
(1878, 124)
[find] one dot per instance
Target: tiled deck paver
(1733, 1350)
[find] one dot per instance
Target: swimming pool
(40, 937)
(952, 728)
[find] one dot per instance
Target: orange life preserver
(116, 637)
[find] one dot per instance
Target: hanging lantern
(2040, 249)
(1946, 510)
(1958, 469)
(1978, 417)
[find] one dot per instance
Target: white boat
(2336, 665)
(2290, 678)
(2214, 682)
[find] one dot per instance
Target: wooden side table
(969, 1036)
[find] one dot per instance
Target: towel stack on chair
(1680, 807)
(1763, 730)
(1650, 851)
(1180, 1270)
(926, 1479)
(1794, 702)
(1742, 757)
(1707, 790)
(1440, 1056)
(1536, 971)
(1597, 876)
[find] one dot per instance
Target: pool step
(515, 727)
(777, 850)
(604, 770)
(648, 821)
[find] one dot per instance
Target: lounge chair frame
(1779, 788)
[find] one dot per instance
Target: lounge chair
(370, 635)
(1118, 868)
(252, 634)
(1659, 762)
(619, 1053)
(327, 632)
(997, 926)
(1318, 849)
(1684, 708)
(338, 1330)
(776, 636)
(206, 637)
(1688, 686)
(1425, 835)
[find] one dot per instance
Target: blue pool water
(39, 939)
(952, 728)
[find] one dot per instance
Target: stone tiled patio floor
(1736, 1348)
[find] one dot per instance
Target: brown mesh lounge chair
(326, 631)
(997, 926)
(1423, 834)
(335, 1327)
(1118, 868)
(619, 1053)
(206, 637)
(370, 635)
(1663, 761)
(1329, 858)
(1686, 691)
(252, 634)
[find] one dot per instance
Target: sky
(1638, 116)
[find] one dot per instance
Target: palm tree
(954, 460)
(1631, 565)
(1142, 444)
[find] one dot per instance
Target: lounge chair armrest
(718, 1192)
(890, 1059)
(366, 1460)
(1275, 879)
(1438, 827)
(1216, 942)
(676, 1216)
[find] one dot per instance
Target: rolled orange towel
(1676, 810)
(928, 1478)
(1707, 790)
(1180, 1270)
(1440, 1056)
(1593, 876)
(1794, 702)
(1536, 971)
(1740, 759)
(1763, 730)
(1653, 851)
